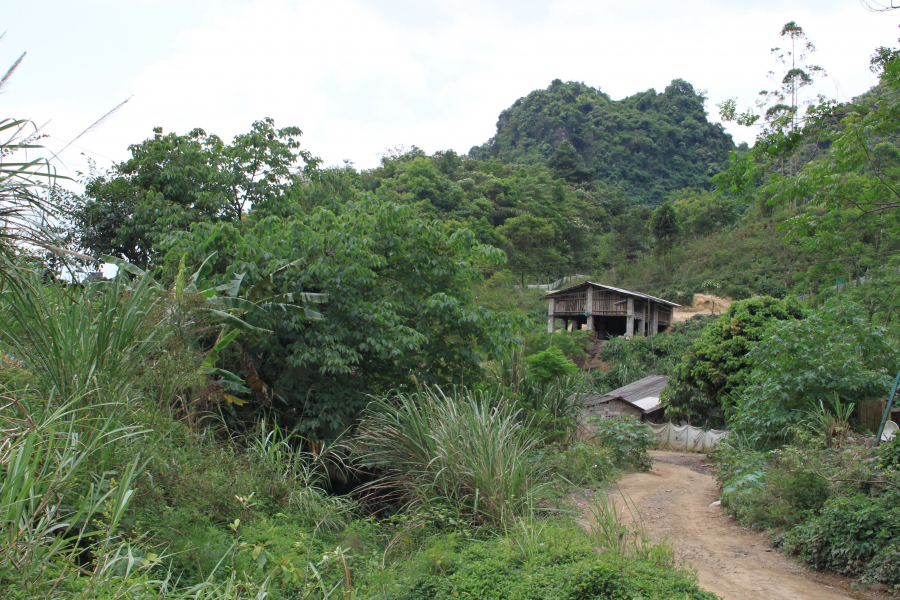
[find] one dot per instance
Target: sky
(360, 78)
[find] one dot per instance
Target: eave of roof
(612, 289)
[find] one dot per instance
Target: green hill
(649, 144)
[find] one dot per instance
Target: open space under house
(608, 311)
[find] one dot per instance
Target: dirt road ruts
(732, 561)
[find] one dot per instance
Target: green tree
(173, 181)
(701, 213)
(783, 123)
(665, 229)
(401, 308)
(529, 244)
(568, 165)
(549, 365)
(836, 351)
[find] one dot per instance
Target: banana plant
(262, 300)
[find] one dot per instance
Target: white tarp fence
(686, 438)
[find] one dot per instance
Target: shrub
(549, 365)
(834, 355)
(556, 562)
(885, 565)
(848, 533)
(627, 440)
(780, 492)
(553, 408)
(889, 455)
(466, 451)
(581, 464)
(571, 343)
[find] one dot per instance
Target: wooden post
(551, 318)
(629, 319)
(589, 308)
(654, 319)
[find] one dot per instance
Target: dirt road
(735, 563)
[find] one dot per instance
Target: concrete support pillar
(551, 318)
(629, 319)
(589, 309)
(654, 319)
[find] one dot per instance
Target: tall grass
(62, 501)
(466, 450)
(609, 529)
(305, 473)
(77, 339)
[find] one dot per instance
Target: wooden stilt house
(608, 311)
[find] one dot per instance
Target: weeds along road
(734, 562)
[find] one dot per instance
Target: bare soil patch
(732, 561)
(704, 304)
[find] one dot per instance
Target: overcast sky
(360, 77)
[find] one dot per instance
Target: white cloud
(359, 77)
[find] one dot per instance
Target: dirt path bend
(733, 562)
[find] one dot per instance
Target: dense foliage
(628, 439)
(833, 353)
(400, 308)
(192, 428)
(553, 563)
(715, 370)
(173, 181)
(835, 507)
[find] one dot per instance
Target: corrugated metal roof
(646, 404)
(639, 393)
(612, 289)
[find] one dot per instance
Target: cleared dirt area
(704, 304)
(731, 561)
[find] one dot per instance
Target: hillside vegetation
(308, 382)
(648, 144)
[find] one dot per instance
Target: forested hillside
(296, 381)
(648, 144)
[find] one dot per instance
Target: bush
(466, 451)
(835, 353)
(581, 464)
(885, 565)
(889, 456)
(549, 562)
(848, 533)
(780, 492)
(570, 343)
(549, 365)
(627, 439)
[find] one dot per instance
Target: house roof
(612, 289)
(642, 394)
